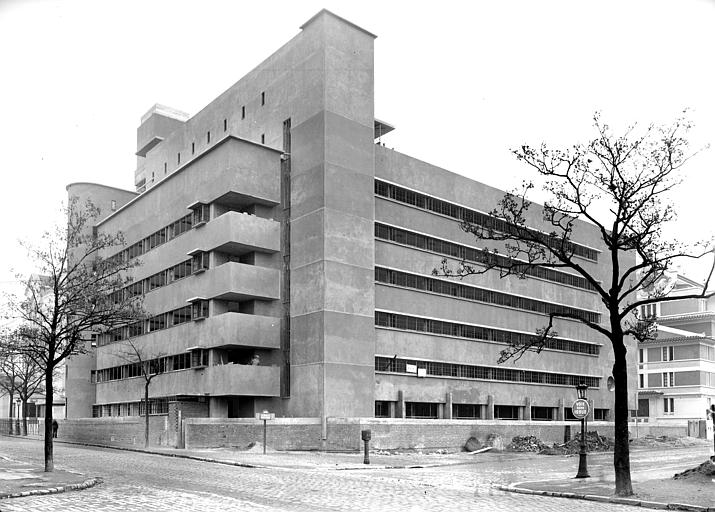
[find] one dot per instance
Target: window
(199, 358)
(641, 380)
(225, 125)
(648, 311)
(152, 176)
(157, 322)
(178, 158)
(668, 405)
(542, 413)
(263, 138)
(200, 309)
(640, 355)
(181, 315)
(199, 262)
(421, 410)
(202, 213)
(668, 380)
(466, 411)
(164, 167)
(600, 414)
(382, 409)
(263, 98)
(243, 112)
(506, 412)
(114, 205)
(208, 137)
(667, 353)
(193, 148)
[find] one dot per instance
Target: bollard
(366, 434)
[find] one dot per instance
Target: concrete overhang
(381, 128)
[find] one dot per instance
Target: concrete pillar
(440, 411)
(448, 407)
(392, 409)
(590, 410)
(400, 412)
(560, 410)
(527, 409)
(490, 407)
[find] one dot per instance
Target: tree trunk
(11, 414)
(146, 415)
(621, 452)
(24, 415)
(49, 459)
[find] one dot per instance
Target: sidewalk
(19, 479)
(653, 488)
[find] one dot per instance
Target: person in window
(55, 426)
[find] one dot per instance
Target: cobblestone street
(138, 481)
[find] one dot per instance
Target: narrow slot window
(263, 98)
(193, 148)
(225, 125)
(243, 112)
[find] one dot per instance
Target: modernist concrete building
(676, 370)
(287, 257)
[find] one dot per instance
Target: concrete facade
(676, 370)
(302, 253)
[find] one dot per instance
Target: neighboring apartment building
(287, 264)
(676, 370)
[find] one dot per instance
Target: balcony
(238, 281)
(228, 379)
(239, 233)
(225, 330)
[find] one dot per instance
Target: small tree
(148, 369)
(620, 184)
(25, 377)
(8, 381)
(78, 289)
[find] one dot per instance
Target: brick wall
(120, 431)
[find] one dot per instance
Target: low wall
(342, 433)
(281, 433)
(114, 431)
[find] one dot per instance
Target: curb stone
(607, 499)
(90, 482)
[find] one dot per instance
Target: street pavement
(141, 481)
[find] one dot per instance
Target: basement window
(506, 412)
(542, 413)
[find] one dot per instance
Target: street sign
(265, 415)
(580, 408)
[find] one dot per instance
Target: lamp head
(581, 389)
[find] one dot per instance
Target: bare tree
(8, 382)
(79, 288)
(148, 369)
(24, 377)
(620, 184)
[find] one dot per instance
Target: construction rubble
(594, 443)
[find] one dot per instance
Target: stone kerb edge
(607, 499)
(90, 482)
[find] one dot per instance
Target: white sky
(462, 81)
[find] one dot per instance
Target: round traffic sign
(580, 408)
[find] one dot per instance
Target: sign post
(580, 409)
(265, 416)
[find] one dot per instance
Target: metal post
(264, 437)
(582, 463)
(366, 459)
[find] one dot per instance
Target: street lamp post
(580, 410)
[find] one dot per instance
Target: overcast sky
(462, 82)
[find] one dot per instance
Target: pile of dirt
(594, 443)
(527, 444)
(704, 471)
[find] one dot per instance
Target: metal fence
(19, 426)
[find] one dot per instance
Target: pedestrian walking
(55, 426)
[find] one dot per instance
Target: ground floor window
(600, 414)
(668, 405)
(421, 410)
(506, 412)
(466, 411)
(382, 409)
(542, 413)
(568, 414)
